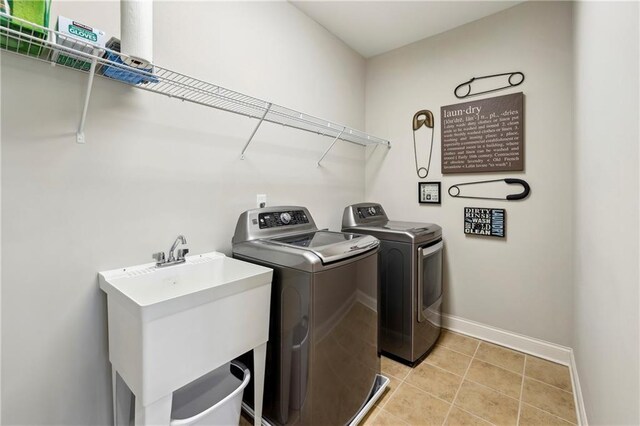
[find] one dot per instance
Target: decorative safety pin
(511, 197)
(422, 118)
(468, 83)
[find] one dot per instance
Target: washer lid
(415, 228)
(412, 232)
(328, 246)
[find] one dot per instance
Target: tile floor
(465, 381)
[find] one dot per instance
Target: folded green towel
(36, 11)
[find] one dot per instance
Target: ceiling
(374, 27)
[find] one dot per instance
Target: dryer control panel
(282, 218)
(370, 211)
(364, 214)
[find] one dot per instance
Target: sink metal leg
(157, 413)
(259, 366)
(114, 377)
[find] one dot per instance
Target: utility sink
(169, 326)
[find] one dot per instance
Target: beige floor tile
(549, 398)
(371, 416)
(458, 342)
(496, 378)
(391, 387)
(488, 404)
(549, 372)
(245, 420)
(434, 380)
(458, 417)
(449, 360)
(502, 357)
(394, 368)
(384, 418)
(531, 416)
(416, 407)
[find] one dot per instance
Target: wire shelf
(28, 39)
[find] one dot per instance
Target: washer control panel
(370, 211)
(283, 218)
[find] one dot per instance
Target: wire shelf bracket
(26, 39)
(330, 146)
(83, 118)
(246, 145)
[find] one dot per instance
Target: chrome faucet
(173, 259)
(180, 240)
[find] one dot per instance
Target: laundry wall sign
(487, 222)
(484, 135)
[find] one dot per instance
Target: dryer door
(429, 282)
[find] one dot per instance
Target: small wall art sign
(482, 221)
(429, 192)
(484, 135)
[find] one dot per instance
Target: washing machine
(410, 298)
(322, 357)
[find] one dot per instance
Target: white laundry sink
(169, 326)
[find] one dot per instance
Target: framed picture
(429, 192)
(487, 222)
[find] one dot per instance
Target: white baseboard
(519, 342)
(529, 345)
(577, 392)
(366, 300)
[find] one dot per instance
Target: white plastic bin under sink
(213, 399)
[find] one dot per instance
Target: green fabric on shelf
(35, 11)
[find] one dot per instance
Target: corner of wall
(577, 392)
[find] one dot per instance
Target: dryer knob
(285, 218)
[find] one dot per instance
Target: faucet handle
(182, 253)
(159, 257)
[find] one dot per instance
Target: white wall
(606, 340)
(152, 168)
(524, 283)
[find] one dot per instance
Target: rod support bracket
(92, 72)
(246, 145)
(330, 146)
